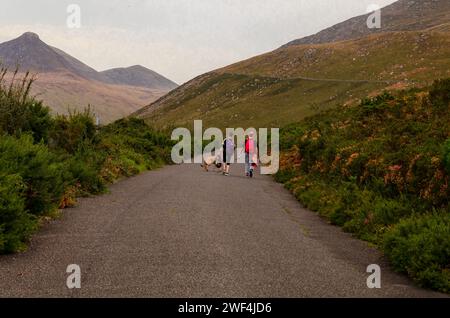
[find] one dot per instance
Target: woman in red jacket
(251, 155)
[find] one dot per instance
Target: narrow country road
(182, 232)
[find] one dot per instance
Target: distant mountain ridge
(402, 15)
(137, 75)
(65, 82)
(31, 53)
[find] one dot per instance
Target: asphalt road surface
(182, 232)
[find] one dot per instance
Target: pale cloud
(177, 38)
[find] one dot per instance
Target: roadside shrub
(132, 146)
(38, 121)
(372, 215)
(85, 169)
(290, 135)
(285, 175)
(41, 171)
(21, 113)
(72, 131)
(15, 224)
(420, 247)
(310, 150)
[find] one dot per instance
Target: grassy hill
(297, 81)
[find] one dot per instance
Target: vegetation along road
(182, 232)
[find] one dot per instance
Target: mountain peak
(137, 67)
(138, 75)
(29, 36)
(30, 54)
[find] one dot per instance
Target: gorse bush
(15, 223)
(369, 167)
(46, 162)
(420, 247)
(21, 113)
(73, 131)
(135, 134)
(32, 181)
(43, 174)
(85, 167)
(373, 106)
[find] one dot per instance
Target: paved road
(182, 232)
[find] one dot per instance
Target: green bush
(73, 131)
(38, 122)
(16, 225)
(290, 136)
(420, 247)
(446, 156)
(440, 93)
(132, 146)
(375, 105)
(85, 168)
(21, 113)
(41, 171)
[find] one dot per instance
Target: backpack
(250, 146)
(228, 146)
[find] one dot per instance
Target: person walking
(228, 153)
(251, 155)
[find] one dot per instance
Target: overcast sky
(178, 38)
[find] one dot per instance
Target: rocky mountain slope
(403, 15)
(64, 82)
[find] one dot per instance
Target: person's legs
(229, 160)
(247, 164)
(224, 161)
(251, 163)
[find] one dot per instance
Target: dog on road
(211, 161)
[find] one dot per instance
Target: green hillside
(292, 83)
